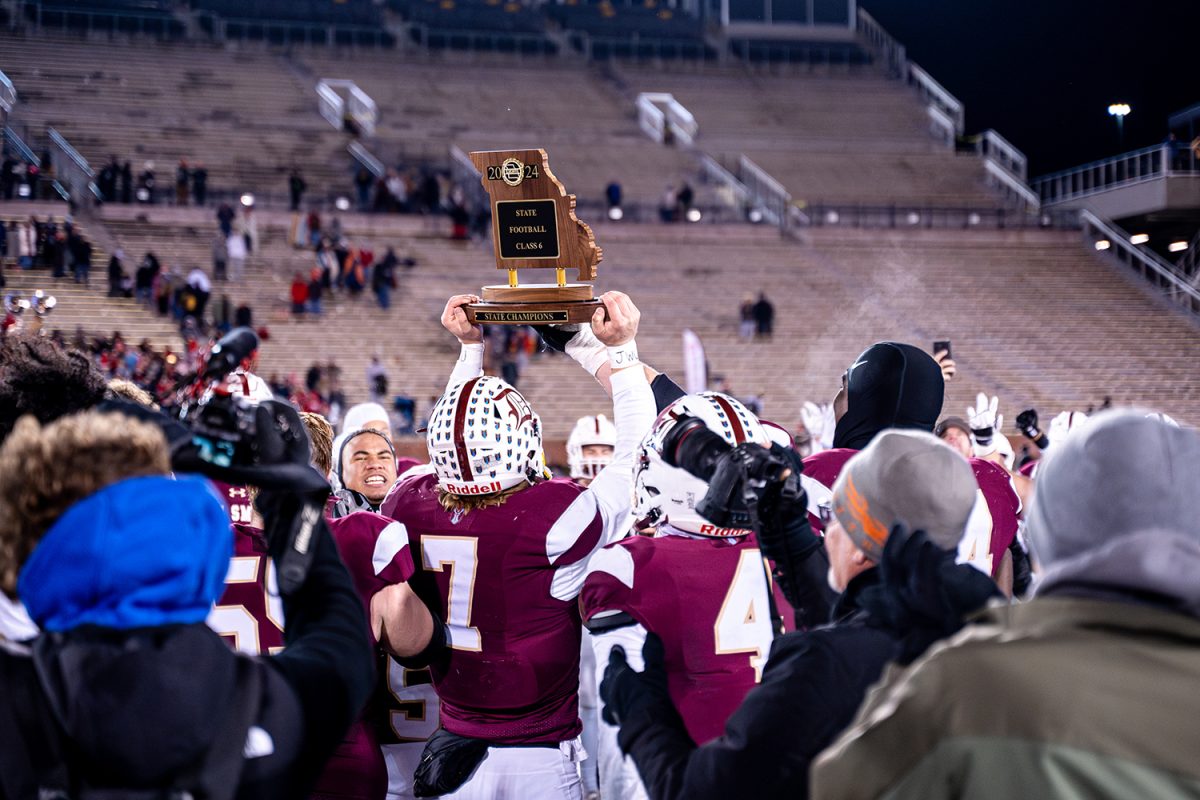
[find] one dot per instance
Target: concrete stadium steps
(845, 139)
(591, 135)
(1032, 316)
(243, 114)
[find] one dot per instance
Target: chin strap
(348, 501)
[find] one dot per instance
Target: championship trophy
(534, 227)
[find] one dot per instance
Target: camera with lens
(733, 474)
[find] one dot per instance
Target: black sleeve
(327, 659)
(666, 391)
(769, 741)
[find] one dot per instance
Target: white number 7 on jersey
(460, 552)
(744, 622)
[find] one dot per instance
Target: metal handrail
(1177, 286)
(8, 94)
(1012, 183)
(992, 145)
(1126, 169)
(893, 51)
(1098, 163)
(937, 94)
(363, 156)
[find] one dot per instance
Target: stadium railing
(1126, 169)
(936, 217)
(488, 41)
(111, 21)
(294, 32)
(72, 171)
(1113, 242)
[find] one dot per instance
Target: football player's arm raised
(470, 339)
(615, 326)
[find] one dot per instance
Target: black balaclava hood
(890, 385)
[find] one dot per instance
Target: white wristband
(586, 350)
(469, 365)
(624, 355)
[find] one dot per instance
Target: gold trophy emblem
(534, 227)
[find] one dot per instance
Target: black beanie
(890, 385)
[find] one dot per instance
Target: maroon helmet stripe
(597, 421)
(739, 435)
(460, 444)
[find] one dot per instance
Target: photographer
(900, 592)
(127, 692)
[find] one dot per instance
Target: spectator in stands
(431, 193)
(327, 262)
(26, 247)
(3, 245)
(377, 377)
(220, 256)
(249, 226)
(107, 180)
(686, 197)
(8, 176)
(116, 273)
(612, 193)
(363, 181)
(235, 246)
(81, 256)
(225, 215)
(668, 208)
(313, 226)
(383, 279)
(200, 184)
(201, 287)
(764, 317)
(143, 283)
(182, 177)
(746, 317)
(126, 183)
(243, 316)
(223, 314)
(145, 190)
(315, 290)
(296, 187)
(299, 295)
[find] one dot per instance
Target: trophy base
(534, 304)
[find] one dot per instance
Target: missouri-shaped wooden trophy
(534, 227)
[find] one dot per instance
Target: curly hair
(121, 389)
(46, 470)
(40, 377)
(320, 441)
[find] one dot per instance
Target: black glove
(1027, 423)
(773, 495)
(625, 691)
(556, 337)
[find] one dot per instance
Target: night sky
(1043, 72)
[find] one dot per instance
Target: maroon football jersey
(237, 502)
(707, 600)
(1003, 506)
(249, 614)
(824, 468)
(505, 580)
(376, 553)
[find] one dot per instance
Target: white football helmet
(483, 438)
(588, 431)
(668, 495)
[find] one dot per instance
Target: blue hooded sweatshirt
(143, 552)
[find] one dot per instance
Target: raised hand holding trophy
(534, 227)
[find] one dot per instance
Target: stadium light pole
(1120, 111)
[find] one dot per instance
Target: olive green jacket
(1056, 698)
